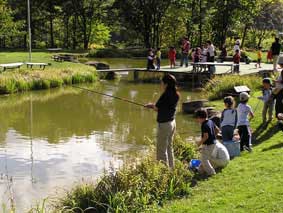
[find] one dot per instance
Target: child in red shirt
(236, 60)
(269, 56)
(172, 57)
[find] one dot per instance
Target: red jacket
(172, 54)
(236, 59)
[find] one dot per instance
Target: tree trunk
(51, 31)
(244, 35)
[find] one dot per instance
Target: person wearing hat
(243, 124)
(268, 100)
(228, 119)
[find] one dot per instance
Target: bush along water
(220, 86)
(135, 187)
(24, 80)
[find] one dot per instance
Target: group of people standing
(235, 123)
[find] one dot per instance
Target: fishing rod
(111, 96)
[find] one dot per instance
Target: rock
(98, 65)
(191, 106)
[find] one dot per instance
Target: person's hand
(150, 106)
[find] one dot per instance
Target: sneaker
(249, 149)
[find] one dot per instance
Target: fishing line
(111, 96)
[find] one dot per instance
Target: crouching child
(213, 154)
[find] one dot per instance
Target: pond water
(51, 139)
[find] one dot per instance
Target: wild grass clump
(24, 80)
(220, 86)
(134, 187)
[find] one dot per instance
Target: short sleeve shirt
(208, 127)
(243, 111)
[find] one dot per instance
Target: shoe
(249, 149)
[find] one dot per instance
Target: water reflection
(49, 139)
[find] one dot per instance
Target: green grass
(220, 86)
(56, 75)
(250, 183)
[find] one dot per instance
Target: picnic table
(11, 65)
(41, 65)
(203, 66)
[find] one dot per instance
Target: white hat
(244, 96)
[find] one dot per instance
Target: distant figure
(185, 52)
(172, 57)
(197, 55)
(269, 56)
(213, 154)
(204, 53)
(223, 53)
(237, 46)
(243, 125)
(229, 119)
(158, 59)
(236, 60)
(267, 99)
(150, 60)
(166, 112)
(275, 48)
(210, 57)
(259, 57)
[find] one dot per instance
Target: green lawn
(251, 183)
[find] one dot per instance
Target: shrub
(134, 187)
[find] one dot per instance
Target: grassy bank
(56, 75)
(220, 86)
(250, 183)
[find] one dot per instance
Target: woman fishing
(166, 110)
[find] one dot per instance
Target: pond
(51, 139)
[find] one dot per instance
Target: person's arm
(217, 130)
(203, 139)
(151, 106)
(251, 114)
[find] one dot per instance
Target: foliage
(134, 187)
(223, 85)
(250, 183)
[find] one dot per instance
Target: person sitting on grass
(228, 119)
(236, 60)
(244, 111)
(213, 154)
(267, 99)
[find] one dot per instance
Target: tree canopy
(81, 24)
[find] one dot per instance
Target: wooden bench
(41, 65)
(11, 65)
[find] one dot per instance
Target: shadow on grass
(267, 135)
(276, 146)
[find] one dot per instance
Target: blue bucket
(195, 163)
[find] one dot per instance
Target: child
(236, 60)
(259, 57)
(212, 156)
(197, 55)
(204, 54)
(172, 57)
(269, 56)
(150, 60)
(267, 99)
(228, 119)
(244, 111)
(158, 59)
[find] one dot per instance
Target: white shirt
(204, 55)
(229, 117)
(243, 111)
(237, 47)
(220, 152)
(211, 50)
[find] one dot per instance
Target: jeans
(165, 135)
(185, 59)
(227, 133)
(158, 63)
(268, 107)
